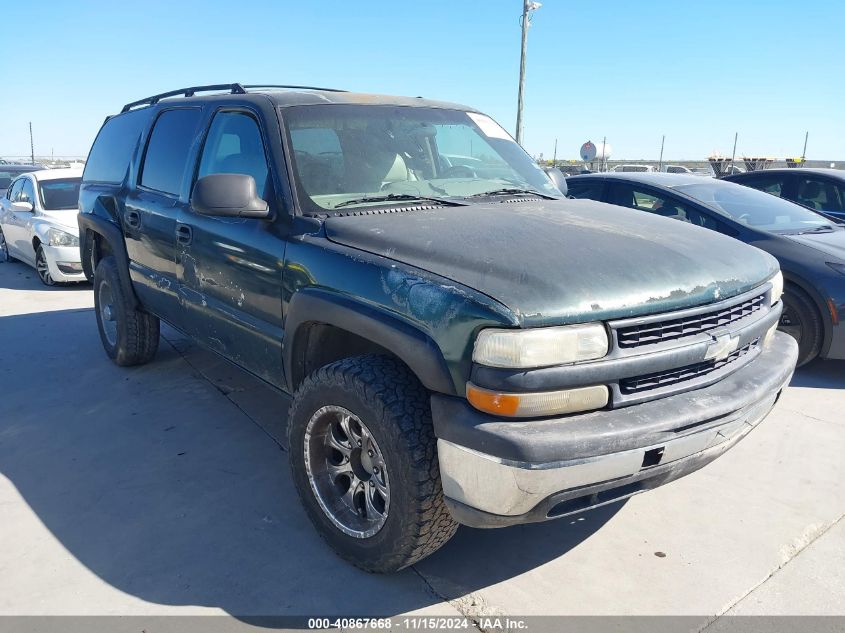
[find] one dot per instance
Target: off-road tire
(137, 331)
(801, 309)
(389, 399)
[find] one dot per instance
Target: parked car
(633, 168)
(809, 247)
(460, 347)
(38, 224)
(10, 171)
(821, 190)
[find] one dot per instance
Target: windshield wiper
(512, 191)
(824, 228)
(395, 197)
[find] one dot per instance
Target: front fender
(412, 346)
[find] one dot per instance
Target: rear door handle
(133, 219)
(183, 234)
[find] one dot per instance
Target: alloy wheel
(42, 269)
(4, 250)
(347, 471)
(108, 314)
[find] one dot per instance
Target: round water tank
(591, 151)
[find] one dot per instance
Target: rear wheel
(4, 249)
(364, 461)
(129, 336)
(801, 320)
(42, 268)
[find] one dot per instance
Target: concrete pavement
(164, 489)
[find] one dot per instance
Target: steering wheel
(459, 171)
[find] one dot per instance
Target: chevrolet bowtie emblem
(721, 347)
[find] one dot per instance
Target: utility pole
(804, 153)
(525, 20)
(660, 162)
(554, 157)
(733, 156)
(31, 145)
(603, 160)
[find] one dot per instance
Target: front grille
(659, 331)
(647, 382)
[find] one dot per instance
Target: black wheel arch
(312, 310)
(99, 237)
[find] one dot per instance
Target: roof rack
(235, 89)
(294, 87)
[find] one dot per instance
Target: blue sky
(633, 71)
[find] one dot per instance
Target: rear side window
(769, 184)
(167, 151)
(109, 157)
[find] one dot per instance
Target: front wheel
(42, 268)
(800, 319)
(364, 461)
(129, 336)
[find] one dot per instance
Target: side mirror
(228, 195)
(23, 207)
(557, 178)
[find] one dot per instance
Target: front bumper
(64, 263)
(502, 472)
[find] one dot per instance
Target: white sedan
(38, 224)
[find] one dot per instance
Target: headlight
(777, 287)
(532, 405)
(840, 268)
(540, 347)
(61, 238)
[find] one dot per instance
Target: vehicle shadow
(825, 374)
(155, 479)
(19, 276)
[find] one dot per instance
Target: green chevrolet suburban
(462, 343)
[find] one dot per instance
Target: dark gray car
(821, 190)
(809, 246)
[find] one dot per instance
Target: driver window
(15, 191)
(27, 192)
(234, 146)
(818, 194)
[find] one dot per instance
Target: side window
(664, 205)
(27, 191)
(168, 148)
(589, 189)
(818, 194)
(113, 148)
(234, 146)
(15, 191)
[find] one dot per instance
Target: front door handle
(133, 219)
(183, 234)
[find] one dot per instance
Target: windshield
(754, 208)
(346, 155)
(58, 195)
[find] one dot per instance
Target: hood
(832, 243)
(66, 219)
(563, 261)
